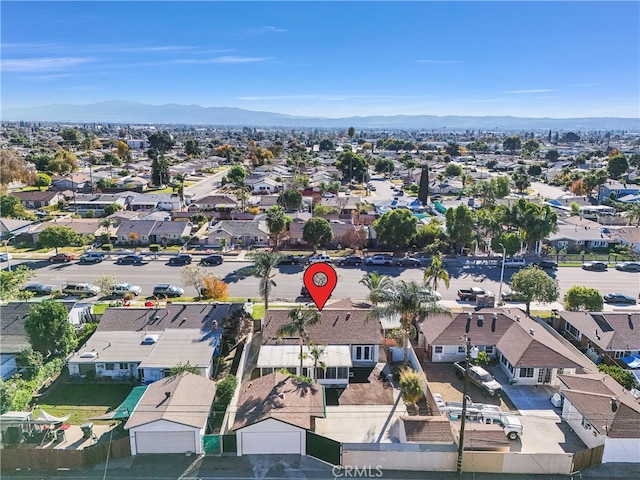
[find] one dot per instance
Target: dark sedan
(546, 264)
(130, 260)
(38, 288)
(628, 266)
(182, 259)
(619, 298)
(409, 262)
(291, 260)
(353, 260)
(211, 260)
(595, 266)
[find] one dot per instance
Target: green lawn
(84, 401)
(258, 311)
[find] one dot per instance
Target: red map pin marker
(320, 279)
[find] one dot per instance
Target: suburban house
(618, 188)
(527, 351)
(82, 226)
(627, 236)
(215, 202)
(172, 415)
(238, 232)
(344, 232)
(145, 232)
(170, 232)
(12, 226)
(602, 413)
(262, 183)
(575, 238)
(350, 340)
(14, 336)
(607, 336)
(75, 182)
(96, 202)
(150, 202)
(37, 199)
(274, 413)
(145, 343)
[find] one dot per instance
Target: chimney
(517, 318)
(531, 331)
(348, 316)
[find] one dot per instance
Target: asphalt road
(289, 278)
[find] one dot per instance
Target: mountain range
(173, 114)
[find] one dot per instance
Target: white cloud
(42, 64)
(536, 90)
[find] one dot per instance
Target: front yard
(83, 400)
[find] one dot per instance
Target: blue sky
(330, 59)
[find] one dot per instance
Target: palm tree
(434, 273)
(300, 320)
(377, 284)
(412, 304)
(316, 352)
(263, 263)
(243, 196)
(634, 214)
(277, 223)
(411, 387)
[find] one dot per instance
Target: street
(288, 279)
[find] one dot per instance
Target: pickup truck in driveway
(471, 294)
(480, 377)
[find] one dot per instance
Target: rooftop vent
(517, 318)
(348, 316)
(167, 394)
(150, 339)
(531, 331)
(88, 354)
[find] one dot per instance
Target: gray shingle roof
(615, 331)
(436, 429)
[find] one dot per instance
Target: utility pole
(471, 352)
(504, 254)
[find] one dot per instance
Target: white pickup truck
(379, 259)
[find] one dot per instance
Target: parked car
(319, 258)
(511, 296)
(372, 188)
(80, 289)
(352, 260)
(595, 266)
(211, 260)
(38, 288)
(166, 289)
(480, 377)
(181, 259)
(291, 260)
(409, 262)
(92, 257)
(619, 298)
(123, 288)
(431, 295)
(62, 258)
(514, 262)
(380, 259)
(5, 257)
(130, 260)
(546, 264)
(628, 266)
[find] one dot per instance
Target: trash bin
(87, 430)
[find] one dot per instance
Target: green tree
(11, 207)
(42, 180)
(621, 375)
(112, 159)
(161, 141)
(277, 223)
(352, 166)
(534, 285)
(521, 179)
(224, 393)
(193, 275)
(411, 303)
(377, 284)
(435, 273)
(533, 221)
(184, 367)
(236, 174)
(72, 136)
(12, 281)
(530, 148)
(411, 387)
(160, 171)
(13, 168)
(57, 236)
(459, 226)
(452, 149)
(512, 144)
(48, 329)
(192, 148)
(453, 170)
(63, 162)
(326, 145)
(112, 208)
(351, 132)
(511, 242)
(300, 320)
(396, 228)
(290, 199)
(317, 231)
(579, 297)
(123, 150)
(384, 165)
(552, 155)
(263, 265)
(617, 165)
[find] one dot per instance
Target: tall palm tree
(412, 304)
(435, 273)
(277, 223)
(316, 352)
(263, 264)
(634, 214)
(377, 284)
(301, 319)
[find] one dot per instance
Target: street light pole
(504, 254)
(6, 251)
(470, 353)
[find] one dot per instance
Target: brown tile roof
(591, 395)
(281, 397)
(175, 315)
(36, 195)
(336, 327)
(185, 398)
(510, 332)
(79, 225)
(436, 429)
(13, 336)
(608, 330)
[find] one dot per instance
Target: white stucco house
(171, 416)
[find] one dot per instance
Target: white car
(319, 258)
(124, 288)
(431, 295)
(5, 257)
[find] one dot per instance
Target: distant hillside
(132, 112)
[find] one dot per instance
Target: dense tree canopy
(277, 223)
(317, 231)
(459, 226)
(11, 281)
(290, 199)
(13, 168)
(352, 166)
(237, 174)
(161, 141)
(11, 207)
(533, 284)
(396, 228)
(617, 165)
(579, 297)
(48, 329)
(512, 144)
(57, 236)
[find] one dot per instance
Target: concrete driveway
(528, 399)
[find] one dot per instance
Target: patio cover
(45, 418)
(278, 356)
(632, 361)
(125, 409)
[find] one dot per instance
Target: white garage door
(267, 443)
(165, 442)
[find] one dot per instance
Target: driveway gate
(324, 448)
